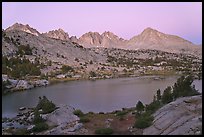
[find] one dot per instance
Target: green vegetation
(49, 63)
(104, 131)
(145, 120)
(22, 131)
(37, 118)
(121, 113)
(167, 96)
(40, 127)
(84, 119)
(46, 105)
(66, 68)
(153, 107)
(139, 107)
(24, 50)
(92, 74)
(91, 62)
(158, 94)
(78, 112)
(19, 67)
(183, 87)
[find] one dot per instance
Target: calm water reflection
(100, 95)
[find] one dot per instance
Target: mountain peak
(61, 30)
(149, 30)
(25, 28)
(111, 35)
(57, 34)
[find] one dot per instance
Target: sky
(125, 19)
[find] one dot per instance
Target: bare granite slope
(181, 117)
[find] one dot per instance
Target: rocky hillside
(181, 117)
(50, 51)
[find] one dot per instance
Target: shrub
(139, 106)
(158, 94)
(104, 131)
(84, 119)
(153, 106)
(66, 69)
(184, 88)
(37, 118)
(92, 74)
(167, 96)
(121, 113)
(40, 127)
(145, 120)
(21, 132)
(46, 105)
(78, 113)
(91, 62)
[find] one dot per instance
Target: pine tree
(167, 96)
(158, 95)
(139, 107)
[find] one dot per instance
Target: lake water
(96, 96)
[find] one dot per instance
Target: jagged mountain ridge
(26, 28)
(148, 39)
(57, 34)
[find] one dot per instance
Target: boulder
(180, 117)
(64, 120)
(30, 127)
(39, 83)
(22, 108)
(23, 84)
(62, 115)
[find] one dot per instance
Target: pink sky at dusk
(125, 19)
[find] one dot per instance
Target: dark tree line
(19, 67)
(182, 88)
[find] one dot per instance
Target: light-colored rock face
(64, 120)
(62, 115)
(90, 38)
(25, 28)
(73, 39)
(181, 117)
(57, 34)
(153, 39)
(148, 39)
(105, 40)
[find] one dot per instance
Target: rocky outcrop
(25, 28)
(15, 85)
(23, 84)
(181, 117)
(64, 120)
(57, 34)
(61, 121)
(105, 40)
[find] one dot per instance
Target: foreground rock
(181, 117)
(63, 120)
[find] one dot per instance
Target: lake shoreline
(53, 81)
